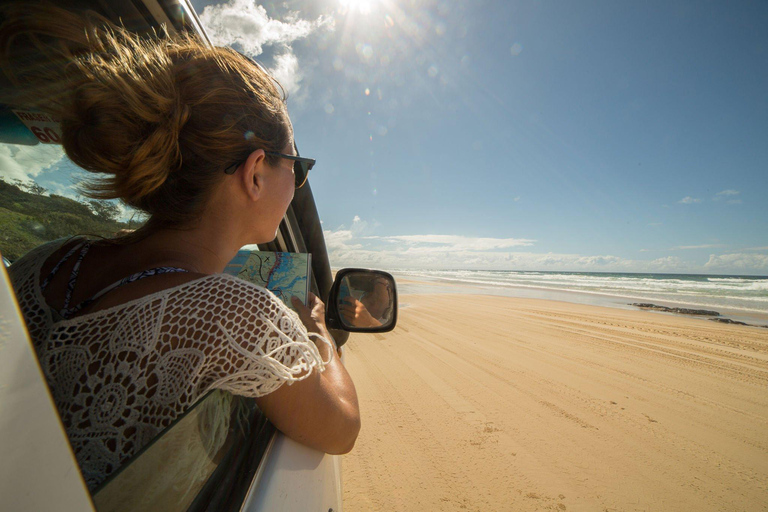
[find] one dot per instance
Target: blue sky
(595, 136)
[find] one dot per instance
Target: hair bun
(127, 124)
(180, 117)
(158, 118)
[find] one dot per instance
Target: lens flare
(361, 6)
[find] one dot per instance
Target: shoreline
(409, 285)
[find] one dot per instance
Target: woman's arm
(320, 411)
(356, 313)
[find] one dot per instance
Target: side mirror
(362, 301)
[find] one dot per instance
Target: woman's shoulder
(24, 274)
(228, 292)
(212, 297)
(239, 308)
(225, 286)
(31, 263)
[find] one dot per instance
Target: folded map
(286, 274)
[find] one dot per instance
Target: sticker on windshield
(44, 127)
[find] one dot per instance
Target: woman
(374, 308)
(131, 332)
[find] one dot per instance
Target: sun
(361, 6)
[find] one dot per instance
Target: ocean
(747, 296)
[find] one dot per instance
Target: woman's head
(161, 118)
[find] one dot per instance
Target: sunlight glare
(361, 6)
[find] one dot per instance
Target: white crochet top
(121, 375)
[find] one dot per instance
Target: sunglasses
(301, 167)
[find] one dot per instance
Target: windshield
(42, 200)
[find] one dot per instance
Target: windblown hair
(161, 117)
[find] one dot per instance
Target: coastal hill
(29, 218)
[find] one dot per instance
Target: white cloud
(436, 243)
(597, 261)
(738, 263)
(356, 247)
(703, 246)
(63, 190)
(248, 25)
(729, 195)
(244, 24)
(23, 163)
(407, 258)
(351, 247)
(339, 240)
(127, 213)
(665, 264)
(359, 227)
(286, 70)
(689, 200)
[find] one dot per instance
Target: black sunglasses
(301, 167)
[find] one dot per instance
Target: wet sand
(493, 403)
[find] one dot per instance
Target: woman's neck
(201, 249)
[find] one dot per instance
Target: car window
(198, 463)
(41, 200)
(207, 457)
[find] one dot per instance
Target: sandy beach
(493, 403)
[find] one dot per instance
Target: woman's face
(379, 299)
(280, 187)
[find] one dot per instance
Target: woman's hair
(161, 117)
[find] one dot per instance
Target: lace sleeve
(25, 277)
(259, 342)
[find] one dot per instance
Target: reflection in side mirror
(362, 301)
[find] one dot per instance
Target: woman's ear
(252, 174)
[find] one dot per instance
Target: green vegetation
(28, 218)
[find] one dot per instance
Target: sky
(522, 135)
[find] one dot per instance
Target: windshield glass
(41, 199)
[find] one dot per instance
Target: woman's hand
(313, 318)
(355, 313)
(320, 411)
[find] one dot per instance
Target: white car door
(38, 470)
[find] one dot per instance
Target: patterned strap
(75, 273)
(69, 312)
(56, 268)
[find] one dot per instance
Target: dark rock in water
(681, 311)
(729, 321)
(700, 312)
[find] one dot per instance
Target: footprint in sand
(651, 420)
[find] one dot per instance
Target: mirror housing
(362, 300)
